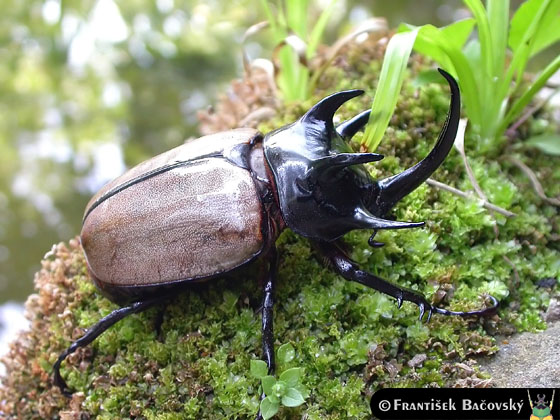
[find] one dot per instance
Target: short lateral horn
(324, 109)
(348, 128)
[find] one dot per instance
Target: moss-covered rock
(349, 340)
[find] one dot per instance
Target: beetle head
(541, 403)
(324, 191)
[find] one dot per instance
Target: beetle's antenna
(348, 128)
(394, 188)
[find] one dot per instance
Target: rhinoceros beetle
(541, 409)
(219, 202)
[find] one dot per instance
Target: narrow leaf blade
(528, 95)
(498, 14)
(390, 82)
(484, 33)
(547, 30)
(319, 28)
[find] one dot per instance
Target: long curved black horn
(394, 188)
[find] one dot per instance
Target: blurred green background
(89, 88)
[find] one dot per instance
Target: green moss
(349, 340)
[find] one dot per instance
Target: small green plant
(296, 43)
(491, 67)
(287, 390)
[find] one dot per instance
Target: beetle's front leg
(348, 269)
(267, 316)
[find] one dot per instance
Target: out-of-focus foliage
(494, 88)
(297, 34)
(87, 87)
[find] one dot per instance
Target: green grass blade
(430, 38)
(271, 20)
(281, 17)
(470, 89)
(484, 34)
(427, 41)
(547, 32)
(498, 19)
(389, 86)
(445, 48)
(524, 31)
(296, 16)
(319, 28)
(522, 18)
(288, 76)
(528, 95)
(458, 32)
(487, 84)
(523, 52)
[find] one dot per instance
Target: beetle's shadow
(226, 296)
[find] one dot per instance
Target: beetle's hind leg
(348, 269)
(95, 331)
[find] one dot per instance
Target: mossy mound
(350, 340)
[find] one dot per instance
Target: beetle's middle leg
(267, 312)
(95, 331)
(348, 269)
(267, 316)
(158, 321)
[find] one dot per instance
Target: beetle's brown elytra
(219, 202)
(199, 195)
